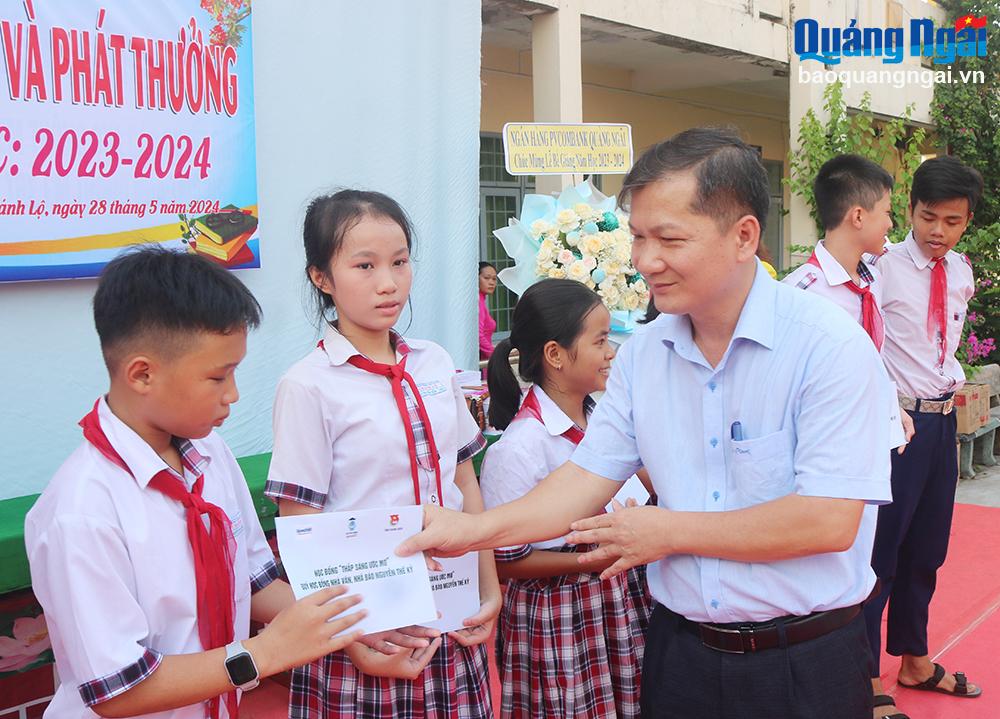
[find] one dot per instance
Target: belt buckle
(948, 405)
(748, 642)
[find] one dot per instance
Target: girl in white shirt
(370, 420)
(568, 644)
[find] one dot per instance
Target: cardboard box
(984, 403)
(967, 409)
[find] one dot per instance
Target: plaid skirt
(568, 647)
(455, 685)
(638, 592)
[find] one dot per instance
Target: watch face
(241, 669)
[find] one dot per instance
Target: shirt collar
(756, 322)
(919, 258)
(833, 271)
(555, 420)
(339, 349)
(142, 460)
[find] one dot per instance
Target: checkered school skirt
(638, 591)
(455, 685)
(569, 646)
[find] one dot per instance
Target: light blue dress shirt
(809, 391)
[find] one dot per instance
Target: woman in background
(487, 325)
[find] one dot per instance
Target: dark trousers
(824, 678)
(911, 538)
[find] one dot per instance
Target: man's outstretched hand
(446, 533)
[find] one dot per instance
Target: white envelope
(632, 489)
(358, 549)
(456, 591)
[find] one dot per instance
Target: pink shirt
(910, 355)
(487, 325)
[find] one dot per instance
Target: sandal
(884, 700)
(931, 685)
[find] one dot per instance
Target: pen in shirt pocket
(736, 431)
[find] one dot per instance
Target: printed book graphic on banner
(125, 123)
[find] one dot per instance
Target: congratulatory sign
(587, 148)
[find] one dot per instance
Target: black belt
(756, 637)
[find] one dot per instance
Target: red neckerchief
(397, 374)
(871, 318)
(213, 547)
(531, 408)
(937, 308)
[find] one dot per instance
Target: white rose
(567, 220)
(584, 210)
(611, 295)
(631, 301)
(591, 244)
(539, 228)
(557, 273)
(565, 257)
(578, 271)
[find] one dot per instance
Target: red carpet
(964, 621)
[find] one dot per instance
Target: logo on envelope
(393, 519)
(352, 528)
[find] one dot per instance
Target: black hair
(847, 181)
(732, 181)
(549, 310)
(328, 220)
(168, 296)
(484, 265)
(946, 178)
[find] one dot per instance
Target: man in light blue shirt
(756, 410)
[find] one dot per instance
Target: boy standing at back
(145, 548)
(854, 205)
(926, 291)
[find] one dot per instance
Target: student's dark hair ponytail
(549, 310)
(505, 392)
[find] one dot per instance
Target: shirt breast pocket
(956, 321)
(241, 568)
(762, 469)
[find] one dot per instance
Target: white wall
(382, 95)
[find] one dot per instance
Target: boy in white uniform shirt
(926, 290)
(145, 549)
(854, 205)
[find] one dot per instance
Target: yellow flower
(557, 273)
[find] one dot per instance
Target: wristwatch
(241, 668)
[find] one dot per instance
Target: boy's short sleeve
(82, 574)
(261, 567)
(302, 459)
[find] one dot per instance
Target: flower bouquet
(580, 236)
